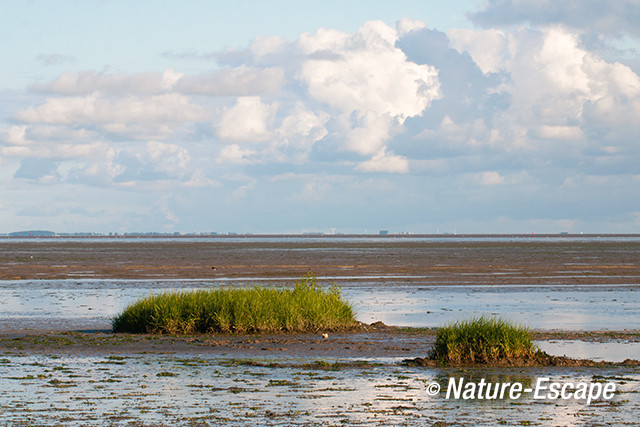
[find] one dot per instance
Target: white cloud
(457, 134)
(248, 120)
(407, 25)
(369, 81)
(168, 157)
(234, 154)
(299, 131)
(15, 135)
(559, 132)
(491, 178)
(366, 72)
(488, 48)
(239, 81)
(557, 89)
(153, 117)
(263, 46)
(370, 134)
(385, 161)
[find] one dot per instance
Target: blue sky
(495, 116)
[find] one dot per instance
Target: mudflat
(348, 378)
(441, 262)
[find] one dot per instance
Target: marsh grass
(305, 308)
(484, 340)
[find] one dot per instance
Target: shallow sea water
(90, 304)
(183, 390)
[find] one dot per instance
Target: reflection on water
(57, 304)
(538, 307)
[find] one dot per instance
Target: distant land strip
(51, 234)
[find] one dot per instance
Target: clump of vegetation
(305, 308)
(484, 340)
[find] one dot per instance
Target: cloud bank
(517, 125)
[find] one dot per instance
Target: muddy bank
(186, 390)
(373, 343)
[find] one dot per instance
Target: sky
(498, 116)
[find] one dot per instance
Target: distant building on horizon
(32, 233)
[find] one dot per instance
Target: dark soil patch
(541, 359)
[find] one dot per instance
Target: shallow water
(558, 307)
(183, 390)
(91, 304)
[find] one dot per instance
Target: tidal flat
(346, 379)
(61, 365)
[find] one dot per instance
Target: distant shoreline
(325, 236)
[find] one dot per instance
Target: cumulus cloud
(169, 158)
(489, 48)
(368, 81)
(366, 72)
(385, 161)
(611, 17)
(233, 153)
(522, 105)
(248, 120)
(557, 89)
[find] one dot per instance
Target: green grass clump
(484, 340)
(305, 308)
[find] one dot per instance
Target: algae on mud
(305, 308)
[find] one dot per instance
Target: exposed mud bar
(372, 342)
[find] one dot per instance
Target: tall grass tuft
(305, 308)
(483, 340)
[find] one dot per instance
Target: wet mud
(351, 378)
(448, 262)
(347, 379)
